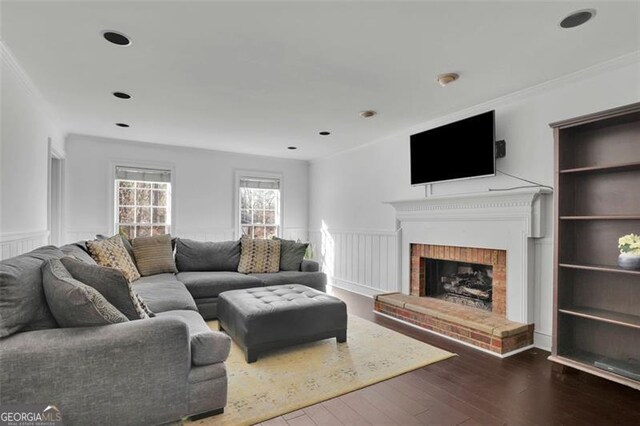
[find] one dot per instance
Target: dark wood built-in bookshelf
(597, 200)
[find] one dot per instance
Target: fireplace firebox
(471, 276)
(468, 284)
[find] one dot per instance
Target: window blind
(142, 174)
(259, 183)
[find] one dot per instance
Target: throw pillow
(73, 303)
(154, 255)
(111, 253)
(126, 242)
(111, 283)
(291, 254)
(207, 256)
(259, 256)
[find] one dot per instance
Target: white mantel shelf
(524, 204)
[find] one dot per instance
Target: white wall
(348, 189)
(26, 130)
(203, 190)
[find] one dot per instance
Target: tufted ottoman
(265, 318)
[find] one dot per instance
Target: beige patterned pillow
(259, 256)
(154, 255)
(111, 253)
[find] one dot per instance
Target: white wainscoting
(363, 261)
(14, 244)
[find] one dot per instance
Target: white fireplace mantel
(525, 203)
(506, 220)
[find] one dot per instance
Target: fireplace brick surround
(490, 331)
(497, 259)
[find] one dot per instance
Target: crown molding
(513, 97)
(41, 103)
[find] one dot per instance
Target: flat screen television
(461, 150)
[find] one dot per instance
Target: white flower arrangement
(629, 244)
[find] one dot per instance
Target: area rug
(300, 376)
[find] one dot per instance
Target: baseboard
(360, 289)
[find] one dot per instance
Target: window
(259, 207)
(143, 202)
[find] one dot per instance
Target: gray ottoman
(265, 318)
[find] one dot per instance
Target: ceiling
(256, 77)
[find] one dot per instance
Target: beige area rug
(300, 376)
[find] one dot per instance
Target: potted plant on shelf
(629, 246)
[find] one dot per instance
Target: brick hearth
(474, 326)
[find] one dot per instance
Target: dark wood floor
(473, 388)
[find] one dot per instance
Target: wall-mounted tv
(461, 150)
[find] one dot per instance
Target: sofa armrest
(129, 373)
(309, 266)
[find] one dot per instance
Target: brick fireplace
(481, 247)
(459, 317)
(495, 260)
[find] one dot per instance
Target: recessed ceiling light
(292, 147)
(116, 38)
(444, 79)
(122, 95)
(367, 114)
(577, 18)
(325, 133)
(122, 125)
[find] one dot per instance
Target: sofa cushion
(291, 254)
(259, 255)
(154, 255)
(79, 251)
(207, 346)
(211, 284)
(163, 295)
(157, 279)
(111, 253)
(23, 305)
(316, 280)
(207, 256)
(110, 283)
(73, 303)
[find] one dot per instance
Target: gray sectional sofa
(148, 371)
(208, 269)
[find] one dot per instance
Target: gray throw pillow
(23, 306)
(110, 283)
(73, 303)
(207, 256)
(291, 254)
